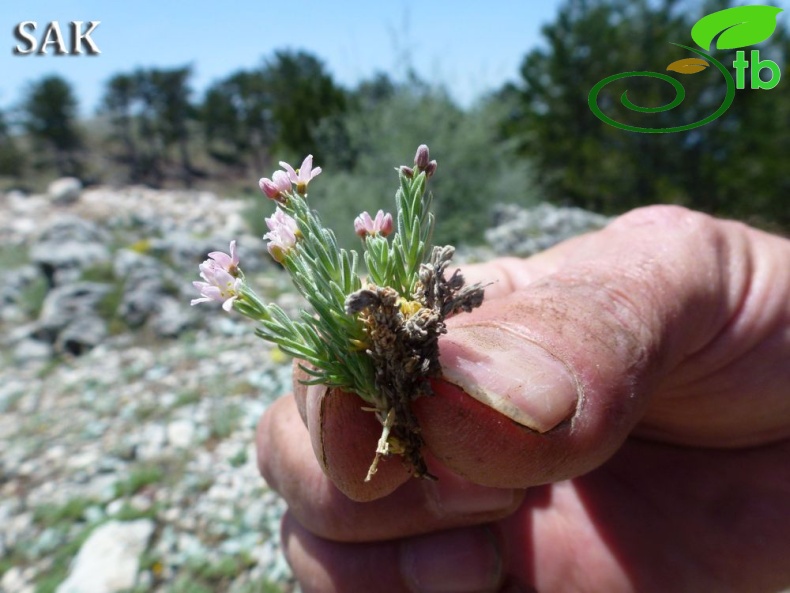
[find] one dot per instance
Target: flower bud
(269, 189)
(282, 236)
(430, 169)
(277, 187)
(422, 157)
(407, 171)
(385, 225)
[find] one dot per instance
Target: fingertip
(326, 566)
(506, 370)
(463, 560)
(487, 448)
(344, 438)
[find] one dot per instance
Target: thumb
(560, 371)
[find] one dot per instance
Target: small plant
(139, 477)
(239, 459)
(187, 397)
(224, 420)
(128, 513)
(73, 510)
(33, 296)
(375, 336)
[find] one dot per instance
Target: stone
(109, 559)
(32, 350)
(524, 232)
(16, 284)
(172, 317)
(147, 295)
(67, 246)
(82, 334)
(185, 250)
(150, 442)
(114, 507)
(129, 264)
(16, 528)
(64, 263)
(65, 190)
(68, 317)
(139, 299)
(13, 580)
(69, 227)
(180, 433)
(63, 304)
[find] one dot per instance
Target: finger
(463, 560)
(286, 461)
(344, 438)
(572, 361)
(344, 441)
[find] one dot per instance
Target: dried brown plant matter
(403, 341)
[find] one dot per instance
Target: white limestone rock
(109, 559)
(65, 190)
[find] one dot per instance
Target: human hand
(643, 373)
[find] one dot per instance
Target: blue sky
(471, 47)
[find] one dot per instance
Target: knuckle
(664, 218)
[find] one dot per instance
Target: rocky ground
(127, 417)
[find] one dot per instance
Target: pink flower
(229, 263)
(276, 187)
(364, 225)
(220, 278)
(282, 236)
(303, 175)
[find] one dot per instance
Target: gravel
(139, 433)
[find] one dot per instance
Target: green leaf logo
(739, 27)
